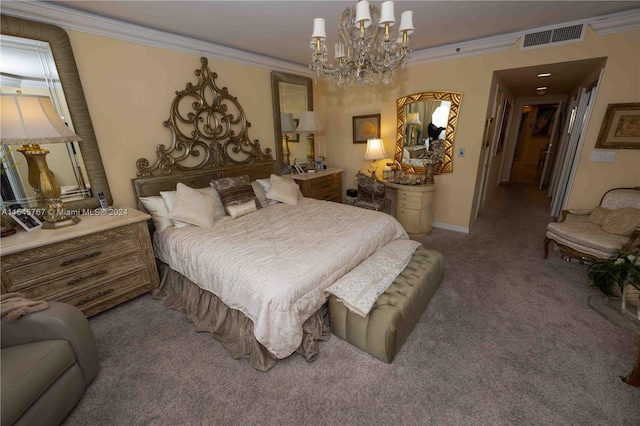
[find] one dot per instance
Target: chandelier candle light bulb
(363, 55)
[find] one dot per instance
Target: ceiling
(282, 29)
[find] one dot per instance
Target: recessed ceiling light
(544, 74)
(541, 88)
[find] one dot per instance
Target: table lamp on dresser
(375, 151)
(31, 120)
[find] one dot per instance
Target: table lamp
(413, 120)
(30, 120)
(287, 127)
(310, 124)
(375, 151)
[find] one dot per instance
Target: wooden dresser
(99, 263)
(414, 206)
(322, 185)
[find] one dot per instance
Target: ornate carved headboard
(209, 140)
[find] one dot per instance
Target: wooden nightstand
(323, 185)
(414, 206)
(103, 261)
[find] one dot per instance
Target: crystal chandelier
(367, 51)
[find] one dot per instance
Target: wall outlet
(460, 152)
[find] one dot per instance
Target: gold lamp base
(46, 188)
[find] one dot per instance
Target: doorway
(525, 158)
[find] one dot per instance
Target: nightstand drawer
(47, 262)
(322, 185)
(325, 183)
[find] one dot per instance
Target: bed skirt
(230, 326)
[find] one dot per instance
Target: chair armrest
(60, 321)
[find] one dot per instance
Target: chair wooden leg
(547, 240)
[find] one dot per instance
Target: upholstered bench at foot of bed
(391, 319)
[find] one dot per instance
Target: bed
(256, 280)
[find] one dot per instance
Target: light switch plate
(460, 152)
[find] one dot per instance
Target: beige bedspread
(274, 264)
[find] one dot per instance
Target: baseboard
(449, 227)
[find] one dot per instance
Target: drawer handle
(79, 259)
(91, 275)
(94, 297)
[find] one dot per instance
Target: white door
(586, 98)
(551, 147)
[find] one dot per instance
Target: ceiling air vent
(553, 36)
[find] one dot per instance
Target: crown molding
(468, 48)
(92, 24)
(617, 22)
(84, 22)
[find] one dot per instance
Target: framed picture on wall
(366, 127)
(543, 122)
(488, 132)
(621, 127)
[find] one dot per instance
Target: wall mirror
(423, 118)
(74, 165)
(292, 94)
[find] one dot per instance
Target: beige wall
(129, 89)
(472, 77)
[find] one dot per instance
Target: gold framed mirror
(72, 87)
(422, 117)
(291, 94)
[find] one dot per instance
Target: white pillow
(264, 184)
(284, 190)
(169, 198)
(193, 206)
(218, 211)
(237, 210)
(158, 210)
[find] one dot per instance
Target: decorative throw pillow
(282, 189)
(158, 210)
(237, 210)
(193, 207)
(622, 221)
(235, 190)
(598, 214)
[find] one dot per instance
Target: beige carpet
(508, 339)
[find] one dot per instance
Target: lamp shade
(375, 150)
(309, 123)
(287, 125)
(31, 119)
(413, 118)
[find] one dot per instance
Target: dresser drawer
(93, 271)
(93, 299)
(47, 262)
(85, 278)
(412, 197)
(410, 204)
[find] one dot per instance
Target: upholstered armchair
(371, 194)
(598, 233)
(48, 359)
